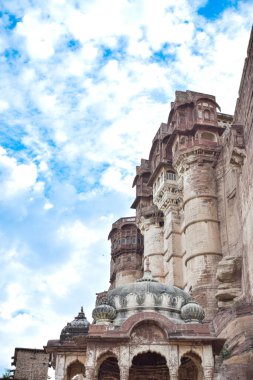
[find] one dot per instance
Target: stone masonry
(31, 364)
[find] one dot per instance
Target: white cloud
(17, 177)
(41, 35)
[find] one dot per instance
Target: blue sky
(81, 98)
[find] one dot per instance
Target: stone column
(208, 362)
(202, 234)
(59, 368)
(168, 199)
(173, 360)
(124, 373)
(208, 373)
(173, 266)
(153, 245)
(89, 373)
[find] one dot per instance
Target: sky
(84, 85)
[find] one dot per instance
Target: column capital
(144, 223)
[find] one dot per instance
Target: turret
(126, 252)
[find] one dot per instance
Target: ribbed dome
(192, 312)
(103, 313)
(155, 288)
(147, 294)
(147, 285)
(79, 326)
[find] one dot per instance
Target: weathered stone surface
(31, 364)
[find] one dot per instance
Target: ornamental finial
(147, 265)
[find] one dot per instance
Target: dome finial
(147, 265)
(81, 314)
(147, 275)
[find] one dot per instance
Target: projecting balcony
(167, 192)
(165, 178)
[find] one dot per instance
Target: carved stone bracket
(237, 146)
(237, 157)
(229, 276)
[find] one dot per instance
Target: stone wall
(235, 204)
(31, 364)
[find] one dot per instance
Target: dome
(192, 312)
(79, 326)
(147, 294)
(104, 313)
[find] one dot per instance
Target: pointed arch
(149, 365)
(107, 367)
(75, 368)
(190, 367)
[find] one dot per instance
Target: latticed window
(171, 176)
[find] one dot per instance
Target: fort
(179, 305)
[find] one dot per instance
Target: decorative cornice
(198, 153)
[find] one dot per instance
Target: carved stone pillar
(60, 366)
(124, 373)
(173, 362)
(208, 373)
(89, 373)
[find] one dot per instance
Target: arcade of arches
(151, 366)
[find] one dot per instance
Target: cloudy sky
(84, 86)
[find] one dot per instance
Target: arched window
(207, 115)
(208, 136)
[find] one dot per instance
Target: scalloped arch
(79, 360)
(105, 355)
(143, 350)
(191, 354)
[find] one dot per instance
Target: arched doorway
(149, 366)
(76, 371)
(190, 368)
(109, 369)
